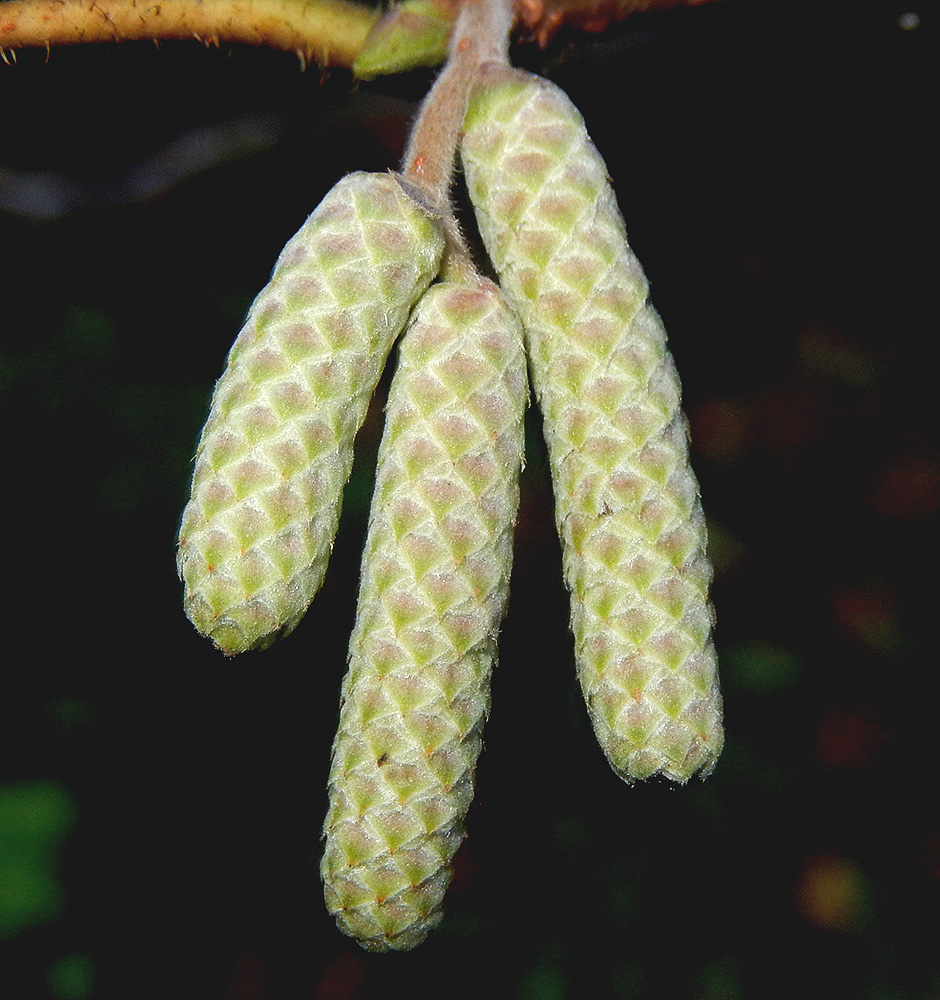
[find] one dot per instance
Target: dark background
(160, 806)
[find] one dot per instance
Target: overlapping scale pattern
(627, 502)
(435, 580)
(277, 448)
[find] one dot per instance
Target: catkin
(435, 577)
(276, 450)
(627, 503)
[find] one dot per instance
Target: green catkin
(435, 578)
(277, 447)
(627, 502)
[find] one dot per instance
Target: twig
(330, 32)
(542, 18)
(481, 35)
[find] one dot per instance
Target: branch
(481, 35)
(329, 31)
(332, 32)
(542, 18)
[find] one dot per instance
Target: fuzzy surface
(277, 448)
(435, 579)
(627, 503)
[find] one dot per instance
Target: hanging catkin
(435, 579)
(627, 503)
(277, 448)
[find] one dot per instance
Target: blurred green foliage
(35, 819)
(71, 977)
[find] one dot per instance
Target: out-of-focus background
(160, 807)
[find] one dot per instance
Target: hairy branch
(330, 32)
(481, 35)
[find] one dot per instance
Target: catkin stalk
(435, 577)
(277, 448)
(627, 503)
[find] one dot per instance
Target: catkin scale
(627, 503)
(435, 577)
(276, 449)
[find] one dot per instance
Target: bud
(627, 502)
(407, 35)
(277, 448)
(435, 579)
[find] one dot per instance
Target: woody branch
(330, 32)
